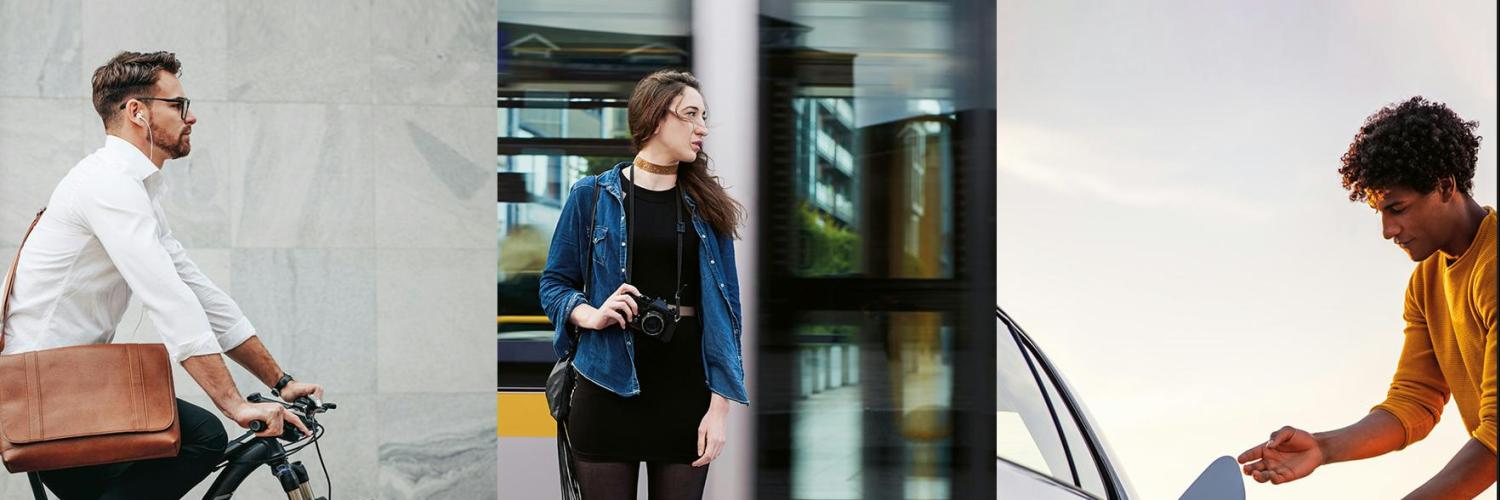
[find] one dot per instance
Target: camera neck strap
(677, 209)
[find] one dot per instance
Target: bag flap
(88, 390)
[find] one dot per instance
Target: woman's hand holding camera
(618, 309)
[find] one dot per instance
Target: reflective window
(1025, 433)
(874, 113)
(861, 122)
(872, 409)
(560, 105)
(1083, 458)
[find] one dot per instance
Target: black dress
(661, 423)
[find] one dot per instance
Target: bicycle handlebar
(306, 408)
(249, 452)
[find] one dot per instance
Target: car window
(1089, 478)
(1025, 433)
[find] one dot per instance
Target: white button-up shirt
(104, 236)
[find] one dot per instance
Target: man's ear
(127, 113)
(1446, 189)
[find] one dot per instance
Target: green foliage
(828, 249)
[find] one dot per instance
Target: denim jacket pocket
(598, 241)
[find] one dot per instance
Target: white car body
(1071, 442)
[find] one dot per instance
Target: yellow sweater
(1450, 342)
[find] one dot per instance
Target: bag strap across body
(38, 492)
(10, 278)
(588, 262)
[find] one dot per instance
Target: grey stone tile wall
(340, 189)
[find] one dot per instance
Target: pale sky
(1172, 229)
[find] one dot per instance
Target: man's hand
(1289, 455)
(295, 389)
(271, 413)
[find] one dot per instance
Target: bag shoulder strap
(588, 263)
(10, 279)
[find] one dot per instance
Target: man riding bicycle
(103, 238)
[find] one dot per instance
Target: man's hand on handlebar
(272, 415)
(295, 389)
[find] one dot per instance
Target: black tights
(617, 480)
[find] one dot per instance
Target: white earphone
(141, 118)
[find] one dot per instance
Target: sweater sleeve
(1485, 304)
(1418, 390)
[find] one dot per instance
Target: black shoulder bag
(560, 380)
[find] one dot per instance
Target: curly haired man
(1414, 163)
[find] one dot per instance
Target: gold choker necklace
(654, 168)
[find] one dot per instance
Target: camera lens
(652, 324)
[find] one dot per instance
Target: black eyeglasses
(181, 102)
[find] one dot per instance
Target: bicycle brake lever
(312, 406)
(290, 434)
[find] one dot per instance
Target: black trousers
(203, 441)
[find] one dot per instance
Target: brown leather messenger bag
(83, 405)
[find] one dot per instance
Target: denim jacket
(606, 357)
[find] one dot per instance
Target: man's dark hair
(129, 75)
(1413, 145)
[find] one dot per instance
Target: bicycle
(248, 452)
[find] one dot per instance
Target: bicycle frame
(248, 452)
(250, 456)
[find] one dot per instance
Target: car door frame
(1115, 487)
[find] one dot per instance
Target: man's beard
(177, 146)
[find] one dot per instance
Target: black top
(655, 246)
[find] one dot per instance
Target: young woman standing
(655, 380)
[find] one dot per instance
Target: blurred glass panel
(560, 105)
(862, 115)
(872, 413)
(601, 119)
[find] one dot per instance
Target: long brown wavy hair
(649, 104)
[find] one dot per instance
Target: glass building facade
(877, 252)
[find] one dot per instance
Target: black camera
(654, 318)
